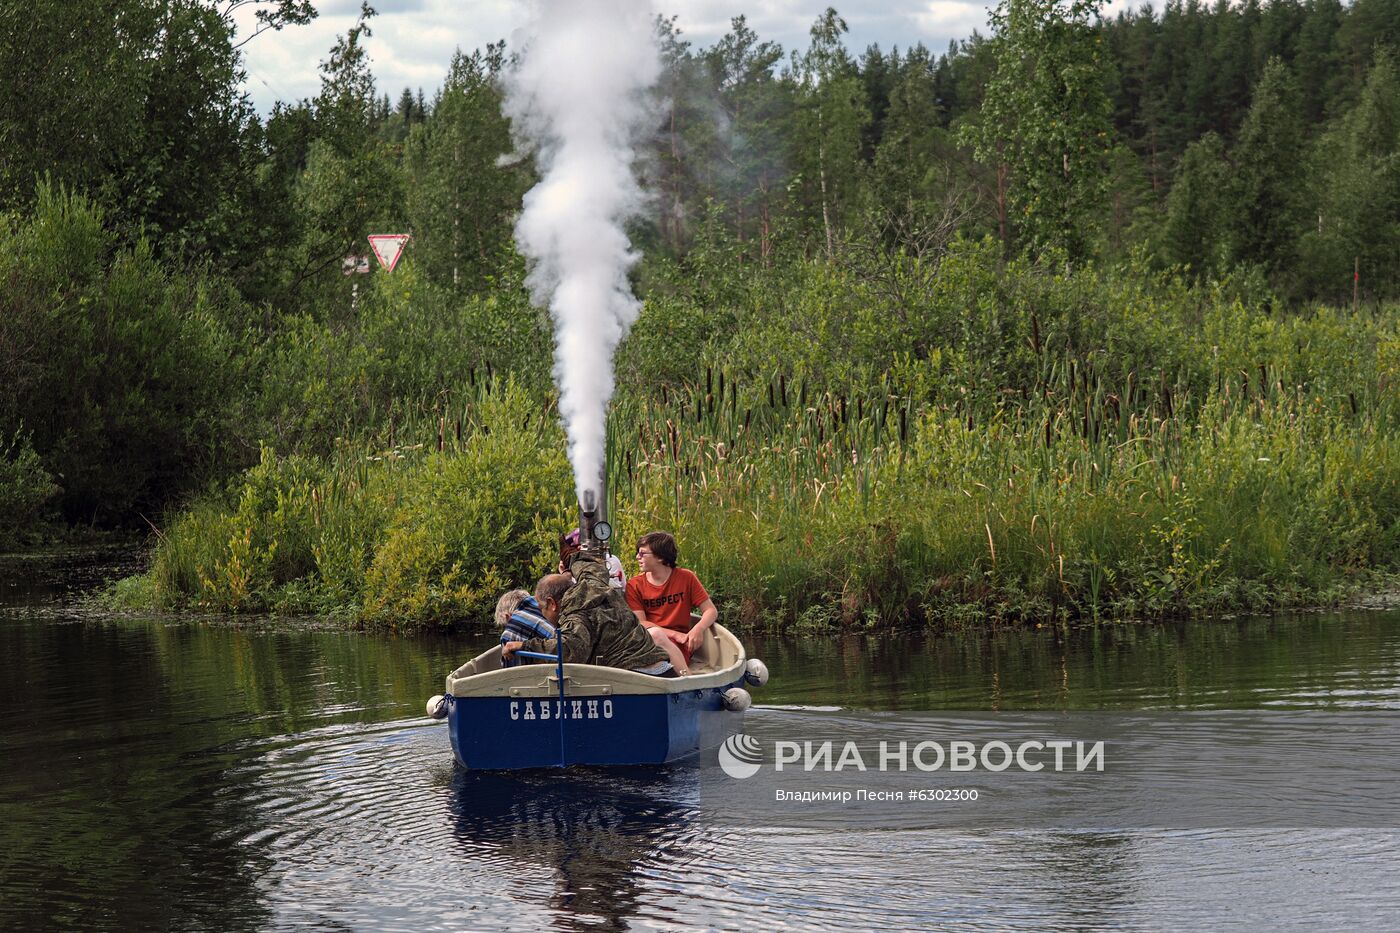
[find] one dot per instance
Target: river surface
(216, 775)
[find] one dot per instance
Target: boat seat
(707, 656)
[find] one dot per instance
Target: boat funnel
(594, 530)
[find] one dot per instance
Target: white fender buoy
(756, 673)
(737, 699)
(437, 706)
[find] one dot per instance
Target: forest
(1086, 317)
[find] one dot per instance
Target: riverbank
(1034, 447)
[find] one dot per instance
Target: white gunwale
(718, 662)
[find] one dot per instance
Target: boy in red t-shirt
(663, 595)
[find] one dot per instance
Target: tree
(831, 120)
(120, 369)
(686, 134)
(918, 188)
(350, 182)
(878, 74)
(1368, 24)
(1317, 62)
(743, 166)
(345, 106)
(1355, 172)
(267, 15)
(461, 199)
(1046, 120)
(84, 113)
(139, 104)
(406, 109)
(1198, 207)
(1268, 162)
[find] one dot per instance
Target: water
(208, 775)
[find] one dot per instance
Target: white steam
(578, 97)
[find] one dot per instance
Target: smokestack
(593, 508)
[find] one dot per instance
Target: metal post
(559, 650)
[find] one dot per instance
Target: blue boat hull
(494, 733)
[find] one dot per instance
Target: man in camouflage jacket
(593, 621)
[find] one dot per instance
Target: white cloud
(413, 40)
(410, 45)
(950, 18)
(789, 22)
(782, 21)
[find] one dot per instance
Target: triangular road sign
(388, 247)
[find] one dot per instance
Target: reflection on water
(1331, 660)
(585, 845)
(171, 775)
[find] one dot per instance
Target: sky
(413, 40)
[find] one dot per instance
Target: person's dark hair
(553, 586)
(568, 547)
(661, 545)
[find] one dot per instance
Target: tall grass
(1070, 502)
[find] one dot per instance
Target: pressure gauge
(602, 531)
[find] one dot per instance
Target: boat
(559, 715)
(539, 715)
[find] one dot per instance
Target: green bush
(26, 489)
(124, 370)
(473, 524)
(403, 537)
(395, 362)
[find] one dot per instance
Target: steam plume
(578, 98)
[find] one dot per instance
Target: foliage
(1355, 183)
(1268, 160)
(404, 357)
(831, 117)
(25, 489)
(403, 537)
(140, 108)
(462, 199)
(1046, 118)
(474, 524)
(849, 397)
(1194, 233)
(1113, 442)
(119, 369)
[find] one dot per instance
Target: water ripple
(379, 813)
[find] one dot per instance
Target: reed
(1085, 497)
